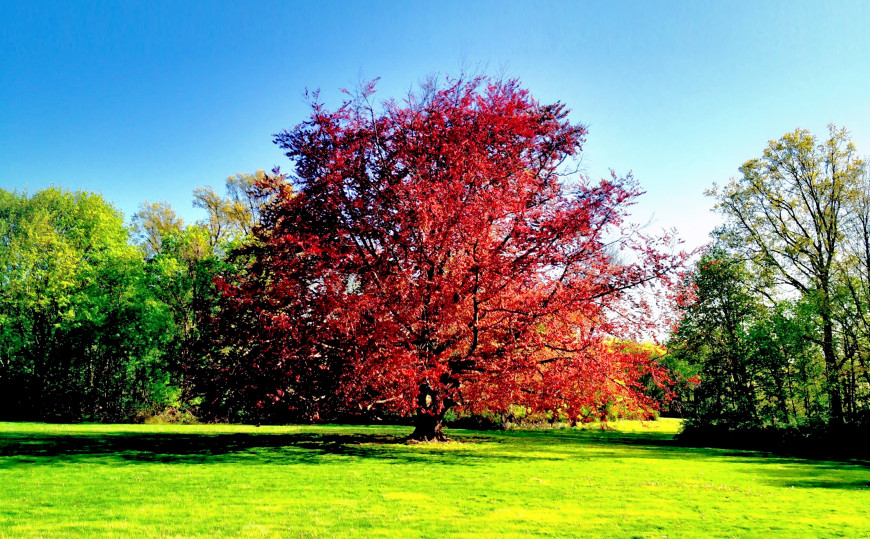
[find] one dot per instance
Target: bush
(484, 421)
(168, 415)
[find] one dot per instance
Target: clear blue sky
(149, 100)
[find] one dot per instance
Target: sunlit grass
(328, 481)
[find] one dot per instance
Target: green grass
(350, 481)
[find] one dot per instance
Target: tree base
(428, 429)
(415, 439)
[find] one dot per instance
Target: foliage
(435, 254)
(788, 213)
(153, 222)
(182, 262)
(774, 314)
(754, 362)
(233, 217)
(81, 336)
(93, 328)
(181, 278)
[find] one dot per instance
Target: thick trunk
(429, 422)
(429, 428)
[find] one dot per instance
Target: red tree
(434, 255)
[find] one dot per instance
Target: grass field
(351, 481)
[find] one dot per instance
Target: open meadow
(364, 481)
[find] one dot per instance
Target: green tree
(183, 260)
(751, 354)
(712, 337)
(233, 216)
(181, 277)
(81, 333)
(787, 212)
(853, 301)
(153, 222)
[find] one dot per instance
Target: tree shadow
(779, 467)
(178, 447)
(30, 449)
(815, 475)
(46, 449)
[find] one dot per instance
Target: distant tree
(247, 198)
(434, 255)
(852, 299)
(182, 278)
(235, 215)
(81, 336)
(713, 336)
(754, 364)
(182, 262)
(788, 213)
(153, 222)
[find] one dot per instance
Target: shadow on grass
(22, 448)
(38, 448)
(180, 447)
(779, 466)
(18, 449)
(774, 468)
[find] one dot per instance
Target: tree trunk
(429, 428)
(836, 400)
(429, 422)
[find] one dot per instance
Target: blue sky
(149, 100)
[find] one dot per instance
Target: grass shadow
(18, 449)
(779, 469)
(179, 447)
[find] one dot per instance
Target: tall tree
(787, 212)
(853, 302)
(182, 261)
(153, 222)
(713, 336)
(233, 216)
(437, 254)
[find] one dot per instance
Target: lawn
(352, 481)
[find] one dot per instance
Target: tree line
(775, 313)
(104, 321)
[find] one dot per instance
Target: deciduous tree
(182, 261)
(153, 222)
(438, 253)
(751, 354)
(233, 216)
(788, 212)
(81, 336)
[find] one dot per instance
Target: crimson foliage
(437, 253)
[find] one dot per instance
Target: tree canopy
(439, 253)
(80, 334)
(777, 330)
(93, 328)
(788, 212)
